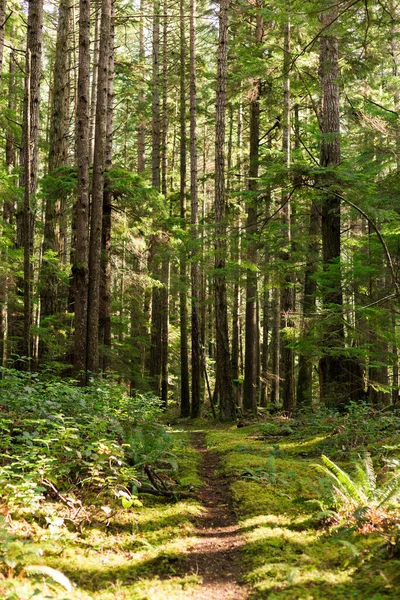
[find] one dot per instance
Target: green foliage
(54, 434)
(358, 497)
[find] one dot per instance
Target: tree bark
(185, 394)
(58, 153)
(95, 74)
(223, 365)
(250, 384)
(287, 295)
(195, 272)
(340, 379)
(141, 132)
(80, 252)
(105, 283)
(3, 6)
(30, 157)
(97, 192)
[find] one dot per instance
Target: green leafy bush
(54, 434)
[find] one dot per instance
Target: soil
(216, 557)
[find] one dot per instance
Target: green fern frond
(55, 575)
(349, 488)
(389, 491)
(370, 473)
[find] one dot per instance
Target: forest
(199, 299)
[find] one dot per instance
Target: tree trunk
(95, 74)
(30, 156)
(58, 153)
(185, 394)
(223, 366)
(276, 344)
(156, 351)
(141, 132)
(97, 192)
(80, 252)
(287, 295)
(3, 6)
(250, 384)
(236, 257)
(105, 284)
(338, 374)
(195, 273)
(305, 375)
(8, 209)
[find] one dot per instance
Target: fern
(360, 492)
(350, 490)
(55, 575)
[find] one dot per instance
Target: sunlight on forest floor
(288, 554)
(141, 553)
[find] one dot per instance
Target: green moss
(287, 554)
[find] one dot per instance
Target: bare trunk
(223, 366)
(95, 74)
(195, 273)
(58, 153)
(3, 6)
(156, 302)
(105, 284)
(287, 294)
(97, 192)
(141, 134)
(250, 384)
(80, 251)
(30, 156)
(185, 394)
(340, 376)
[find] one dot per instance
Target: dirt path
(216, 557)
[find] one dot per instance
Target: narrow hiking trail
(250, 529)
(216, 556)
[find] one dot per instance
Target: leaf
(55, 575)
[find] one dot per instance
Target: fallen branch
(165, 493)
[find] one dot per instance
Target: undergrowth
(72, 463)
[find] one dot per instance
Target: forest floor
(253, 529)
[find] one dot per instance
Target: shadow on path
(216, 557)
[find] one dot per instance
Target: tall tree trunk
(3, 6)
(156, 302)
(185, 394)
(105, 283)
(236, 257)
(287, 294)
(276, 344)
(250, 384)
(95, 74)
(30, 155)
(165, 269)
(195, 272)
(305, 378)
(8, 209)
(223, 366)
(80, 252)
(58, 154)
(141, 132)
(337, 372)
(97, 192)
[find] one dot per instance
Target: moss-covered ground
(135, 553)
(290, 553)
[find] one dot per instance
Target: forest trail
(216, 557)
